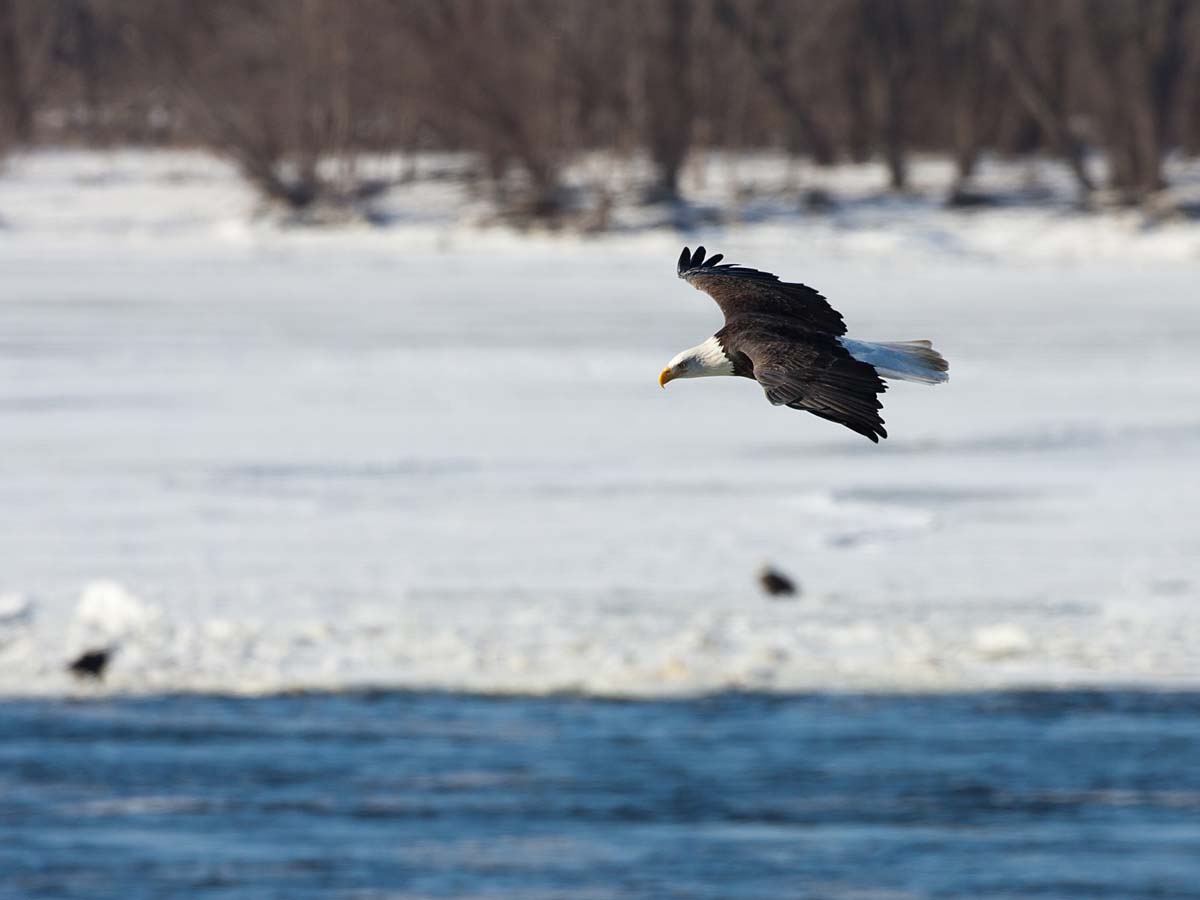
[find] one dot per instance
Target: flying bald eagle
(791, 341)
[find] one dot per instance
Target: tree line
(297, 92)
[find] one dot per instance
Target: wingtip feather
(689, 261)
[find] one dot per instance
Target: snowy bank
(134, 197)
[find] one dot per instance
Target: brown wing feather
(740, 291)
(825, 381)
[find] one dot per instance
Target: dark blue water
(424, 795)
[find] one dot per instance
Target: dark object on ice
(965, 198)
(818, 200)
(776, 583)
(91, 664)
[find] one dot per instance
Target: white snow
(257, 458)
(108, 614)
(14, 609)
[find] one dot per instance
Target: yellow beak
(663, 377)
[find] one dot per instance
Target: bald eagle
(789, 339)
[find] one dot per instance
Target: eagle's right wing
(741, 291)
(827, 382)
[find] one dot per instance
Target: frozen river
(318, 461)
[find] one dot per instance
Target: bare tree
(763, 28)
(1141, 51)
(1043, 97)
(667, 93)
(887, 38)
(271, 86)
(489, 70)
(27, 32)
(963, 67)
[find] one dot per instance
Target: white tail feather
(901, 360)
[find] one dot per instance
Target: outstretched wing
(823, 380)
(740, 291)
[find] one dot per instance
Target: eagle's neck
(709, 358)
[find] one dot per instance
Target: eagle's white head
(704, 359)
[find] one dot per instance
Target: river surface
(414, 795)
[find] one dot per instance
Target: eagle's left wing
(740, 291)
(827, 382)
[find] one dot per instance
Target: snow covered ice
(423, 456)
